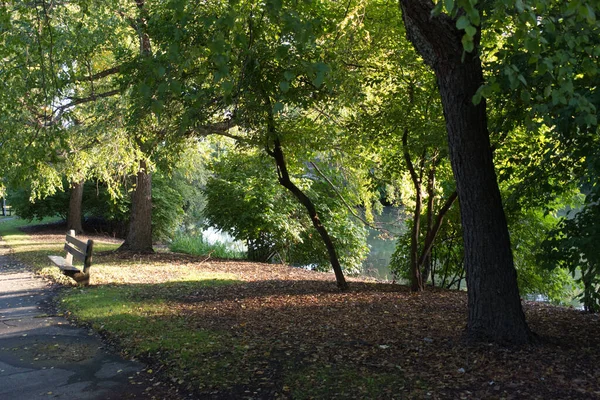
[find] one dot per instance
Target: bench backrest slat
(80, 244)
(78, 254)
(79, 249)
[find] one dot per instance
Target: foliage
(447, 270)
(167, 207)
(52, 206)
(49, 54)
(245, 200)
(112, 213)
(528, 231)
(573, 244)
(188, 178)
(97, 203)
(197, 245)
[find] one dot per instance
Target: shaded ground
(43, 356)
(281, 332)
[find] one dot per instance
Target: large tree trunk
(75, 212)
(495, 311)
(285, 181)
(139, 233)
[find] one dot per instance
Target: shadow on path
(43, 356)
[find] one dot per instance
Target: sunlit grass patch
(113, 271)
(11, 225)
(33, 250)
(147, 325)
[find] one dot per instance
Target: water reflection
(382, 243)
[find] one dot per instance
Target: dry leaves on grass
(297, 336)
(295, 326)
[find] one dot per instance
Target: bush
(244, 199)
(196, 245)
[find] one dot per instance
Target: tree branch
(100, 75)
(436, 227)
(82, 100)
(354, 214)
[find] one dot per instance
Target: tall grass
(197, 245)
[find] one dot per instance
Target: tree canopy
(484, 109)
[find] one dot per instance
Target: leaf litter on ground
(274, 331)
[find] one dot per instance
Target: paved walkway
(45, 357)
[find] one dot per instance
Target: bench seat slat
(63, 264)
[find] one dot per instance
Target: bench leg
(79, 277)
(82, 279)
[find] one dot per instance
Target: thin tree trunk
(495, 311)
(426, 266)
(435, 229)
(75, 210)
(285, 181)
(139, 233)
(415, 272)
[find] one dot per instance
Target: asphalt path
(44, 356)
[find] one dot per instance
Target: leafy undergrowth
(197, 245)
(228, 329)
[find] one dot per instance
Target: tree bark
(416, 280)
(139, 233)
(495, 312)
(285, 181)
(435, 229)
(75, 210)
(430, 204)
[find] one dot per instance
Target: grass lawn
(231, 329)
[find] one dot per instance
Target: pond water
(212, 236)
(382, 243)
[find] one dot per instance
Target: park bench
(76, 249)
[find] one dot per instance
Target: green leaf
(449, 4)
(519, 6)
(591, 15)
(288, 75)
(227, 86)
(277, 107)
(474, 16)
(477, 97)
(471, 30)
(467, 42)
(462, 22)
(437, 10)
(284, 86)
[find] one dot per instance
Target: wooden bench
(79, 250)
